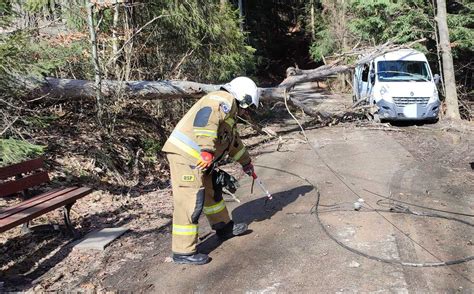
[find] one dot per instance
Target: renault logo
(411, 94)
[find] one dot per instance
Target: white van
(400, 84)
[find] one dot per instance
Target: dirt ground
(287, 250)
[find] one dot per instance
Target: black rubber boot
(198, 258)
(231, 230)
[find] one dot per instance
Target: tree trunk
(95, 60)
(223, 3)
(115, 41)
(241, 14)
(66, 89)
(452, 106)
(69, 89)
(438, 49)
(313, 30)
(313, 75)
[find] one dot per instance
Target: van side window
(365, 73)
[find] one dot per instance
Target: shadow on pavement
(255, 211)
(260, 209)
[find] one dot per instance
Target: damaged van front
(402, 87)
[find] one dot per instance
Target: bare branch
(111, 60)
(9, 125)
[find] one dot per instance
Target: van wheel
(432, 120)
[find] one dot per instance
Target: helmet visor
(246, 101)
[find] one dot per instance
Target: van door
(356, 82)
(363, 86)
(371, 81)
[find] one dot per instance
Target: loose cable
(420, 206)
(314, 210)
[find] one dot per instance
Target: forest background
(209, 42)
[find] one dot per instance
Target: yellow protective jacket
(209, 126)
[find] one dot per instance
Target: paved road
(287, 250)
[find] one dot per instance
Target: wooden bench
(17, 179)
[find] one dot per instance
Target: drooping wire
(314, 211)
(420, 206)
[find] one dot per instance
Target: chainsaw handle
(254, 175)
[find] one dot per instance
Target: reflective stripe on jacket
(210, 126)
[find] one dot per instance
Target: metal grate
(402, 101)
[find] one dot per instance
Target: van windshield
(403, 70)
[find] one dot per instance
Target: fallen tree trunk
(313, 75)
(66, 89)
(79, 89)
(296, 76)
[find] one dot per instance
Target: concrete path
(287, 250)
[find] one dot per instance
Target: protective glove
(205, 161)
(249, 170)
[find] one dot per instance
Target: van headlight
(435, 96)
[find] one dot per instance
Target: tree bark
(64, 89)
(70, 89)
(452, 106)
(313, 30)
(115, 40)
(95, 60)
(313, 75)
(241, 14)
(67, 89)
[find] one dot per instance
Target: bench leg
(67, 220)
(26, 228)
(38, 229)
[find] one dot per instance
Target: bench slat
(20, 168)
(12, 187)
(35, 211)
(34, 201)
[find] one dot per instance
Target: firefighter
(205, 135)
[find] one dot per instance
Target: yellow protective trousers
(193, 193)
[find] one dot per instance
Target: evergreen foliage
(14, 151)
(155, 39)
(381, 20)
(373, 22)
(206, 38)
(461, 32)
(277, 31)
(190, 40)
(378, 21)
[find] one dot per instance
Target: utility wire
(391, 261)
(420, 206)
(392, 209)
(315, 210)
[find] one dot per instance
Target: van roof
(402, 54)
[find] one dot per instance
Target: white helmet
(244, 90)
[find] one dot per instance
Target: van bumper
(390, 111)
